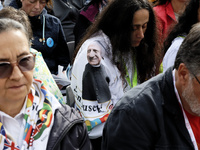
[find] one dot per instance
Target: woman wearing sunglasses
(41, 70)
(30, 116)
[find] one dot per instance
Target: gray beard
(191, 99)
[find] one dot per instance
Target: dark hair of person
(18, 15)
(161, 2)
(116, 22)
(185, 22)
(189, 52)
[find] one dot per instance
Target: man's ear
(183, 74)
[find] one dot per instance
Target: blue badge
(50, 42)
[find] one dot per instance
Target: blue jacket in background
(54, 47)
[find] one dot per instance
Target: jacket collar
(170, 11)
(171, 104)
(170, 101)
(39, 17)
(65, 118)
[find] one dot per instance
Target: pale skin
(182, 77)
(33, 7)
(179, 5)
(93, 54)
(14, 89)
(139, 26)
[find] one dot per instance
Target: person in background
(1, 5)
(48, 35)
(6, 2)
(126, 33)
(168, 12)
(41, 70)
(18, 15)
(86, 17)
(162, 113)
(177, 35)
(67, 11)
(30, 116)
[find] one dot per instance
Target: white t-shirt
(94, 112)
(170, 55)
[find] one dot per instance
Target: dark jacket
(54, 53)
(85, 19)
(67, 11)
(148, 117)
(68, 132)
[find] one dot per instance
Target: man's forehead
(94, 46)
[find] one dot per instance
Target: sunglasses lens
(5, 70)
(27, 63)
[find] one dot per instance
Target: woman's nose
(140, 33)
(16, 73)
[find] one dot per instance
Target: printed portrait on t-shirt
(95, 82)
(94, 54)
(93, 78)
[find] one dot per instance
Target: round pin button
(50, 42)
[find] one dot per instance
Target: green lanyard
(134, 79)
(161, 68)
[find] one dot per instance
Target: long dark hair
(185, 22)
(116, 22)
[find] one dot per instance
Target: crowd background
(94, 51)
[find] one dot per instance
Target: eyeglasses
(195, 77)
(26, 63)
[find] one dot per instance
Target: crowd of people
(134, 74)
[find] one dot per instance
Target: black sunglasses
(25, 63)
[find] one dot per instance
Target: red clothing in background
(166, 18)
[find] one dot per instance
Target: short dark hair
(189, 51)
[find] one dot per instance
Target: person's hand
(61, 78)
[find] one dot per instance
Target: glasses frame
(12, 64)
(195, 77)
